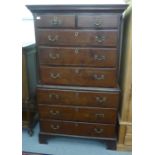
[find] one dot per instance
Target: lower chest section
(78, 112)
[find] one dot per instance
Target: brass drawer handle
(55, 75)
(53, 39)
(101, 77)
(97, 57)
(54, 113)
(100, 39)
(55, 127)
(99, 115)
(101, 99)
(53, 96)
(98, 130)
(56, 56)
(98, 24)
(56, 21)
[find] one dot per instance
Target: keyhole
(77, 71)
(76, 51)
(77, 94)
(76, 110)
(55, 18)
(76, 34)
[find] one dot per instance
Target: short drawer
(97, 21)
(77, 37)
(93, 57)
(77, 98)
(78, 128)
(78, 76)
(55, 21)
(72, 113)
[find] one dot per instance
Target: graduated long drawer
(77, 98)
(78, 128)
(77, 113)
(76, 56)
(77, 37)
(78, 76)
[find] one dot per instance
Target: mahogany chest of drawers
(79, 49)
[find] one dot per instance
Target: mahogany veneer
(79, 48)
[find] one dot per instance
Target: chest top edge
(119, 8)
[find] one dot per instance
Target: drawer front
(77, 37)
(78, 98)
(77, 128)
(70, 113)
(98, 21)
(54, 21)
(78, 76)
(101, 57)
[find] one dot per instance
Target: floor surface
(66, 146)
